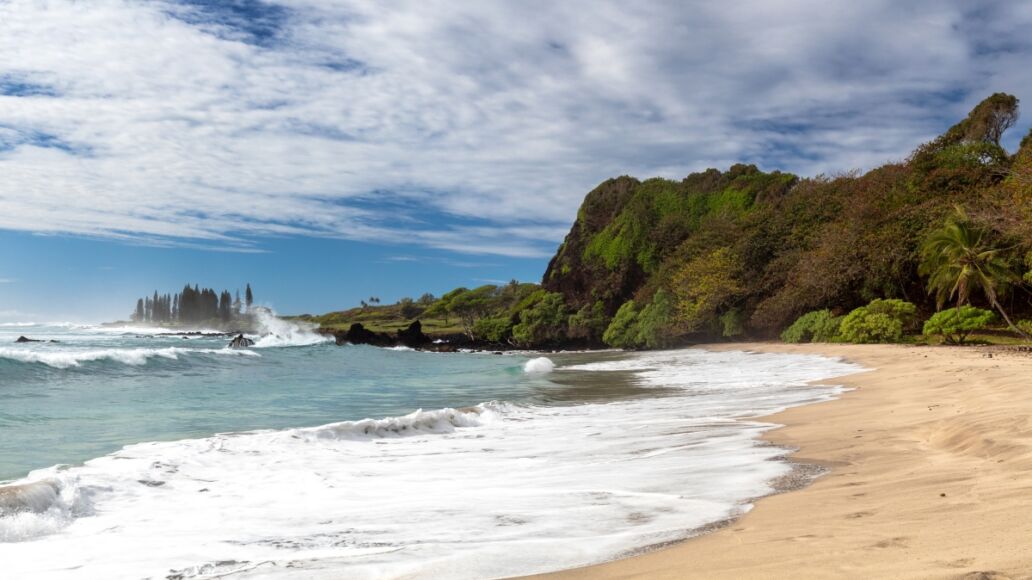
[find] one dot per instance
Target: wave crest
(63, 359)
(420, 422)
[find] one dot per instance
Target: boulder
(241, 341)
(413, 336)
(359, 334)
(25, 339)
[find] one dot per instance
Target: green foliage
(656, 322)
(542, 323)
(961, 257)
(955, 324)
(493, 329)
(862, 327)
(623, 330)
(732, 323)
(971, 155)
(706, 285)
(896, 309)
(879, 321)
(815, 326)
(588, 323)
(409, 309)
(1025, 326)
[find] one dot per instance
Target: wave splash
(39, 508)
(276, 332)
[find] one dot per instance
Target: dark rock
(241, 341)
(24, 339)
(413, 336)
(359, 334)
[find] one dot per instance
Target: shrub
(656, 328)
(589, 322)
(623, 330)
(544, 322)
(901, 310)
(816, 326)
(493, 329)
(955, 324)
(1025, 326)
(731, 323)
(879, 321)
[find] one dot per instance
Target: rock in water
(241, 341)
(25, 339)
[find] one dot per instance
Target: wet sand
(929, 462)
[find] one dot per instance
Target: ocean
(126, 453)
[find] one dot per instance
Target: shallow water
(324, 467)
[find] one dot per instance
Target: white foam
(538, 366)
(494, 490)
(276, 332)
(63, 358)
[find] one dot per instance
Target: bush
(955, 324)
(816, 326)
(879, 321)
(1025, 325)
(589, 323)
(656, 328)
(731, 323)
(896, 309)
(623, 330)
(542, 323)
(493, 329)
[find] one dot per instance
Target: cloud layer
(471, 127)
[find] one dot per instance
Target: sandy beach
(930, 459)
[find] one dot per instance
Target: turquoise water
(59, 406)
(132, 455)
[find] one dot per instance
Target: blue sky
(327, 150)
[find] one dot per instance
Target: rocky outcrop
(26, 339)
(413, 336)
(359, 334)
(241, 341)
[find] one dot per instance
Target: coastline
(930, 466)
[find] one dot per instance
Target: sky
(326, 151)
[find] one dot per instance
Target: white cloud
(469, 127)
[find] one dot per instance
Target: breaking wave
(416, 423)
(63, 359)
(276, 332)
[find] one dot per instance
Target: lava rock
(241, 341)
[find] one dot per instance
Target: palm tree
(959, 258)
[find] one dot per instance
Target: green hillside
(746, 253)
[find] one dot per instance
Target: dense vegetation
(854, 257)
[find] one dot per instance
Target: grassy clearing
(382, 319)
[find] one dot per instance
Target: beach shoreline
(929, 467)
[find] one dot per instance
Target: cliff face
(763, 248)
